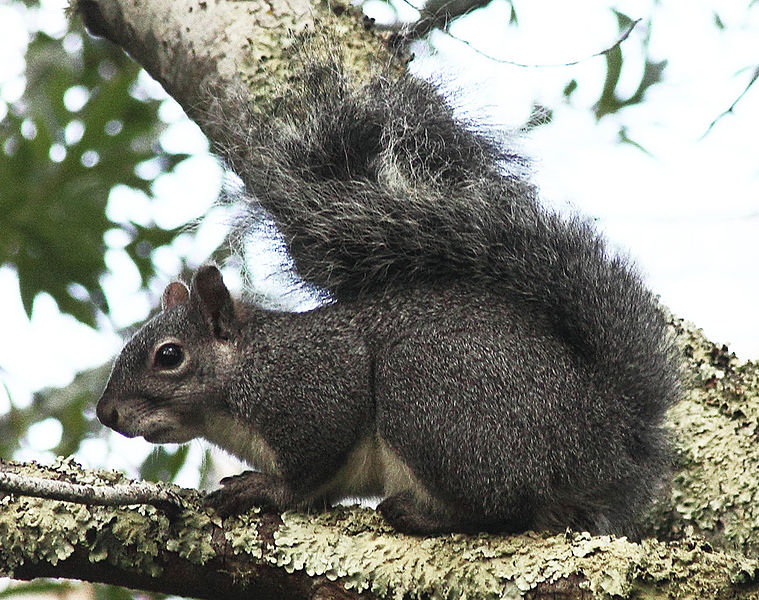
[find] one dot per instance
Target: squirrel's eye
(169, 356)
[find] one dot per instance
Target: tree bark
(192, 46)
(715, 489)
(181, 551)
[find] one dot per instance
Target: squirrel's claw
(239, 493)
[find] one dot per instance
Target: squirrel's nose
(107, 413)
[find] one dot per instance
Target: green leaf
(144, 241)
(111, 592)
(652, 74)
(625, 139)
(610, 101)
(623, 21)
(60, 160)
(513, 17)
(38, 587)
(570, 88)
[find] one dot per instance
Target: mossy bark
(715, 492)
(192, 46)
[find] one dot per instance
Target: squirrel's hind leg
(408, 515)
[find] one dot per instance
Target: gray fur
(492, 365)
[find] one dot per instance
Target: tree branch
(625, 34)
(136, 492)
(731, 108)
(434, 13)
(182, 551)
(336, 554)
(191, 46)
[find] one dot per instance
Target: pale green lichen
(715, 491)
(485, 566)
(275, 51)
(129, 537)
(242, 535)
(190, 537)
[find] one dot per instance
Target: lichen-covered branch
(183, 551)
(190, 46)
(715, 492)
(338, 554)
(137, 492)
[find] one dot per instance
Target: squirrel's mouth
(168, 434)
(161, 435)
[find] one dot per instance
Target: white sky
(689, 214)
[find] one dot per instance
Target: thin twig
(138, 492)
(724, 113)
(622, 38)
(440, 17)
(412, 5)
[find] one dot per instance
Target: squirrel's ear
(214, 300)
(175, 293)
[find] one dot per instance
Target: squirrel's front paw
(241, 492)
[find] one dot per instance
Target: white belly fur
(243, 442)
(371, 469)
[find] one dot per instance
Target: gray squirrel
(483, 365)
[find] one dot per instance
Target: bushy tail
(379, 185)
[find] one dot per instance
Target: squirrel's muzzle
(107, 413)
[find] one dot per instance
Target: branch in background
(434, 14)
(751, 82)
(440, 13)
(625, 34)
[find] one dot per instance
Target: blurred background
(108, 192)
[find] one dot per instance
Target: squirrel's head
(171, 375)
